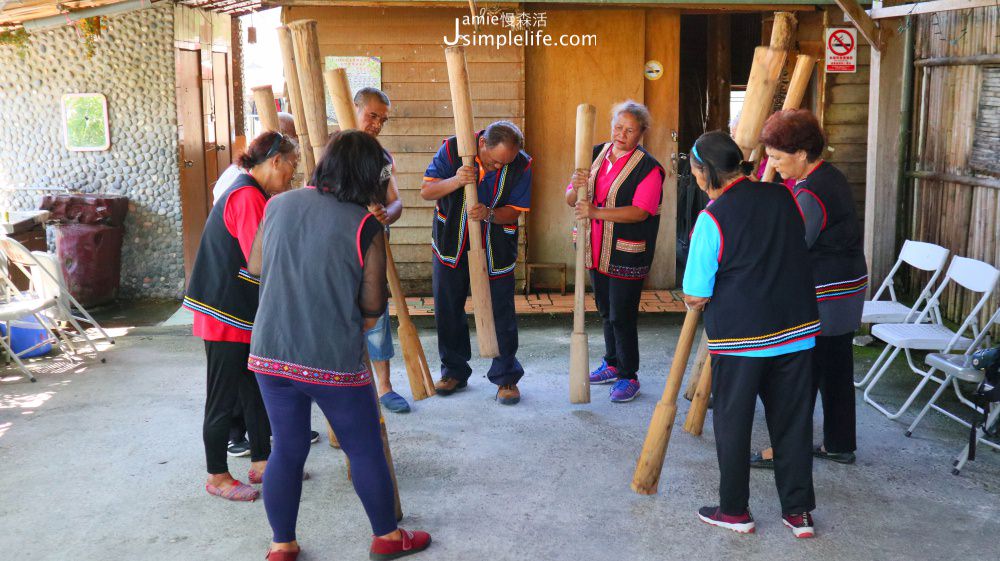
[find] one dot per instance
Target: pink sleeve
(243, 213)
(647, 194)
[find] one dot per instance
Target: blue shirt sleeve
(441, 166)
(520, 196)
(703, 257)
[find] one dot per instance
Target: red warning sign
(842, 49)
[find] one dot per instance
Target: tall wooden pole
(295, 98)
(263, 98)
(765, 75)
(461, 101)
(579, 356)
(647, 472)
(305, 44)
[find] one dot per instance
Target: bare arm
(373, 297)
(623, 215)
(434, 190)
(255, 262)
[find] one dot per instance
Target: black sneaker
(742, 524)
(238, 449)
(801, 525)
(839, 457)
(313, 437)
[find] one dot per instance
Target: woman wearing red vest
(795, 141)
(624, 214)
(223, 296)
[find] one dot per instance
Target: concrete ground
(104, 461)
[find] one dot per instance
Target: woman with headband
(748, 269)
(624, 213)
(223, 296)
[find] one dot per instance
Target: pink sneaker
(238, 492)
(801, 525)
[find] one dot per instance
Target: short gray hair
(365, 95)
(504, 132)
(634, 108)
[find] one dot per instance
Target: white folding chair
(921, 255)
(957, 368)
(47, 281)
(975, 276)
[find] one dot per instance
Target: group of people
(289, 295)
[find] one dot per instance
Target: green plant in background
(86, 122)
(18, 39)
(90, 32)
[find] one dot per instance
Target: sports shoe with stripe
(741, 524)
(604, 374)
(801, 525)
(624, 391)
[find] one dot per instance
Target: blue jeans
(380, 339)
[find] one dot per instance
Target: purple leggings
(353, 414)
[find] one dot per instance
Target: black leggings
(618, 304)
(833, 377)
(229, 381)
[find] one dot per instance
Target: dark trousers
(451, 288)
(833, 377)
(230, 382)
(238, 428)
(354, 416)
(784, 384)
(618, 304)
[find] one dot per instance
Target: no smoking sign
(842, 49)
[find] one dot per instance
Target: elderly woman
(321, 260)
(748, 269)
(794, 141)
(223, 297)
(624, 217)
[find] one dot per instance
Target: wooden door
(190, 121)
(211, 148)
(663, 44)
(223, 126)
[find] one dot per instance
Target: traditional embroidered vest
(763, 294)
(626, 249)
(837, 256)
(309, 326)
(220, 284)
(449, 238)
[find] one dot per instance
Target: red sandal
(411, 542)
(239, 491)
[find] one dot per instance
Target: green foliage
(17, 39)
(90, 31)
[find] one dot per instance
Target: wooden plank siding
(409, 42)
(962, 218)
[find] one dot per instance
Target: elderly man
(502, 174)
(372, 110)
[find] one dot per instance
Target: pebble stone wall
(133, 67)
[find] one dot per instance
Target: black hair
(267, 145)
(354, 168)
(718, 154)
(504, 132)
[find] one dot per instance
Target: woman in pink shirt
(626, 183)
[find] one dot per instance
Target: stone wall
(133, 66)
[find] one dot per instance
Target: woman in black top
(795, 141)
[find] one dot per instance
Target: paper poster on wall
(842, 50)
(85, 122)
(362, 72)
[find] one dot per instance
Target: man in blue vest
(502, 172)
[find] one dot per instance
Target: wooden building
(538, 87)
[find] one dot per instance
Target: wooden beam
(988, 182)
(868, 28)
(927, 7)
(972, 60)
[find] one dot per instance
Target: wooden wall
(558, 79)
(962, 218)
(414, 75)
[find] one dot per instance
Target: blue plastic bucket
(26, 333)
